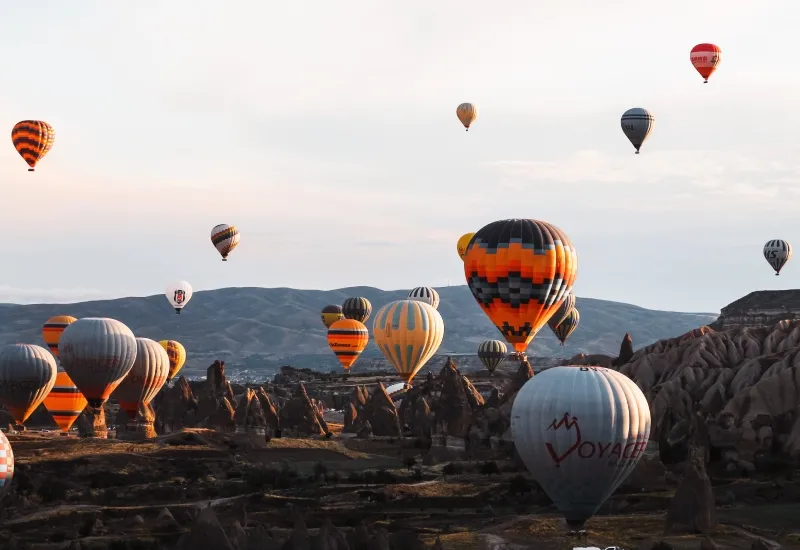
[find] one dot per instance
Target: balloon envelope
(146, 377)
(408, 333)
(461, 245)
(705, 58)
(563, 310)
(777, 252)
(492, 353)
(357, 308)
(52, 329)
(27, 374)
(467, 113)
(567, 326)
(426, 295)
(225, 238)
(178, 293)
(330, 314)
(177, 356)
(97, 353)
(65, 402)
(637, 123)
(348, 338)
(6, 465)
(519, 272)
(580, 431)
(32, 139)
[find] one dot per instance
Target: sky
(326, 132)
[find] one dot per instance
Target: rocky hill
(253, 329)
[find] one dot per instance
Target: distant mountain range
(258, 329)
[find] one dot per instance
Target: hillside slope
(256, 327)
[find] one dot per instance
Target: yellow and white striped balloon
(408, 332)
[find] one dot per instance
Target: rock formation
(301, 416)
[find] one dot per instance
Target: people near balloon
(330, 314)
(178, 293)
(777, 252)
(177, 356)
(32, 139)
(97, 353)
(348, 338)
(27, 374)
(425, 294)
(65, 402)
(580, 432)
(408, 333)
(6, 465)
(52, 329)
(145, 378)
(467, 113)
(461, 245)
(520, 271)
(567, 326)
(357, 308)
(637, 123)
(492, 353)
(706, 58)
(225, 238)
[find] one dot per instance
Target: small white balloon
(179, 293)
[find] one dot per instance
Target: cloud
(14, 295)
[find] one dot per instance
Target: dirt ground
(64, 485)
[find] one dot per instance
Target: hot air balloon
(224, 237)
(461, 245)
(27, 374)
(492, 353)
(777, 252)
(705, 58)
(567, 326)
(147, 376)
(65, 402)
(178, 293)
(563, 310)
(32, 139)
(347, 338)
(408, 333)
(331, 314)
(357, 308)
(520, 271)
(637, 123)
(467, 113)
(580, 431)
(97, 353)
(177, 356)
(52, 329)
(6, 465)
(425, 294)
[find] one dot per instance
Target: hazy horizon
(328, 135)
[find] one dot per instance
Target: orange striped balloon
(32, 139)
(348, 338)
(52, 329)
(65, 402)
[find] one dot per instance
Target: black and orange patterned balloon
(520, 271)
(357, 308)
(32, 139)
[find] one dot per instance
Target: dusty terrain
(112, 494)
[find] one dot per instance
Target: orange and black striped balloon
(348, 338)
(65, 402)
(52, 329)
(520, 271)
(32, 139)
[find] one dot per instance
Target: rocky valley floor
(197, 484)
